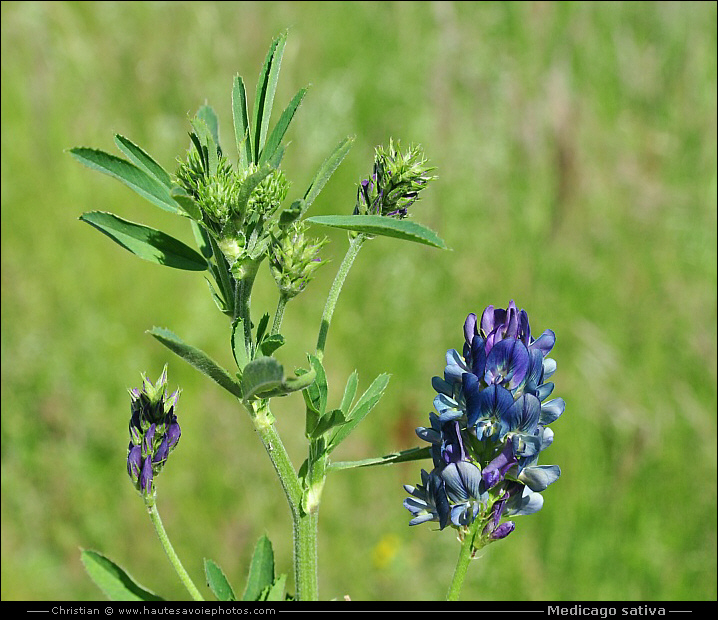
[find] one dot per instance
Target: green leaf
(412, 454)
(315, 396)
(263, 374)
(266, 87)
(208, 143)
(217, 582)
(276, 591)
(241, 122)
(147, 243)
(329, 420)
(222, 276)
(364, 405)
(326, 170)
(275, 138)
(145, 185)
(218, 301)
(270, 344)
(262, 327)
(186, 203)
(382, 225)
(290, 215)
(208, 115)
(202, 239)
(239, 348)
(264, 377)
(197, 358)
(113, 580)
(142, 160)
(317, 392)
(261, 570)
(350, 391)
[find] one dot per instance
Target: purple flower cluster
(491, 423)
(154, 432)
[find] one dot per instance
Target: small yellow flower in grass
(385, 550)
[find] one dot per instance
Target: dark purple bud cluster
(154, 432)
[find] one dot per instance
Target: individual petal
(534, 376)
(146, 476)
(162, 452)
(453, 484)
(452, 446)
(523, 415)
(551, 410)
(470, 328)
(503, 530)
(538, 477)
(428, 516)
(511, 329)
(462, 481)
(488, 320)
(526, 445)
(544, 390)
(471, 479)
(463, 515)
(549, 367)
(471, 390)
(507, 363)
(442, 386)
(525, 503)
(524, 328)
(148, 440)
(492, 402)
(134, 463)
(478, 356)
(547, 438)
(455, 367)
(496, 470)
(173, 434)
(447, 408)
(544, 342)
(429, 434)
(437, 496)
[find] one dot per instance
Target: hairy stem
(279, 313)
(169, 550)
(462, 564)
(304, 524)
(336, 289)
(242, 302)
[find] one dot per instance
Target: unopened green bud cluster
(294, 258)
(395, 183)
(239, 207)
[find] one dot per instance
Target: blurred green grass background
(576, 149)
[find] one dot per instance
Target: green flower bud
(395, 183)
(268, 195)
(293, 259)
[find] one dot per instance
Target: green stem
(226, 283)
(465, 555)
(305, 556)
(169, 550)
(279, 314)
(304, 524)
(354, 247)
(242, 302)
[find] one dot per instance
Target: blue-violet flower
(491, 424)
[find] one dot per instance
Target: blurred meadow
(575, 145)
